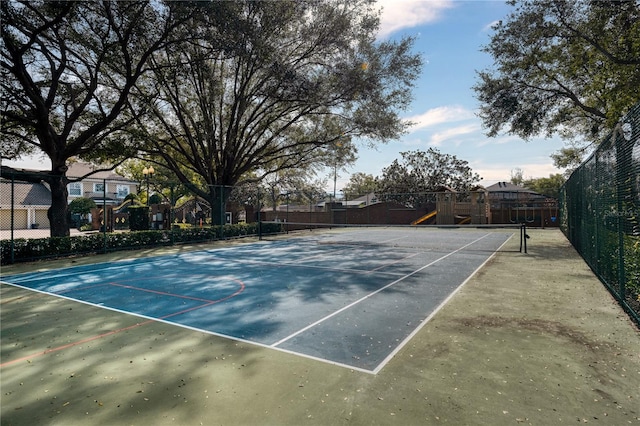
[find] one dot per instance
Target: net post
(523, 237)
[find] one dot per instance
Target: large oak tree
(68, 69)
(274, 87)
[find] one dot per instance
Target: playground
(443, 207)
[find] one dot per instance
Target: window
(123, 191)
(75, 189)
(98, 187)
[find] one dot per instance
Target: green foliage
(422, 172)
(632, 265)
(138, 218)
(39, 248)
(131, 197)
(45, 109)
(277, 92)
(562, 66)
(568, 157)
(517, 176)
(359, 184)
(155, 199)
(546, 186)
(82, 206)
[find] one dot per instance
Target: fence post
(286, 225)
(621, 162)
(104, 214)
(172, 215)
(12, 224)
(259, 213)
(223, 210)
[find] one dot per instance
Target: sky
(449, 35)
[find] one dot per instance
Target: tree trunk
(218, 197)
(58, 213)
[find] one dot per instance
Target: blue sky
(449, 35)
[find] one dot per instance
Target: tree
(272, 86)
(68, 69)
(339, 156)
(281, 184)
(421, 172)
(82, 206)
(163, 182)
(359, 184)
(517, 176)
(547, 186)
(562, 66)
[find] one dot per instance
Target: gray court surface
(349, 297)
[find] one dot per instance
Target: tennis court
(351, 296)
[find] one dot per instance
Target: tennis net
(421, 238)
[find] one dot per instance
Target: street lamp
(148, 172)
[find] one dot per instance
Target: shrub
(82, 206)
(37, 248)
(138, 218)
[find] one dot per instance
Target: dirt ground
(530, 339)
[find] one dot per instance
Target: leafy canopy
(421, 172)
(82, 206)
(68, 69)
(570, 67)
(273, 87)
(359, 184)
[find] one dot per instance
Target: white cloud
(438, 138)
(498, 140)
(398, 14)
(440, 115)
(502, 172)
(489, 26)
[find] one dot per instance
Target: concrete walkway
(530, 339)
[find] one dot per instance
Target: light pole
(148, 172)
(337, 145)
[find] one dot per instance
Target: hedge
(40, 248)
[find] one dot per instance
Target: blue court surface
(352, 298)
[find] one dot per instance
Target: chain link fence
(105, 215)
(600, 212)
(102, 219)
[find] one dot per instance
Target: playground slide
(425, 217)
(465, 220)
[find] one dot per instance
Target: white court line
(321, 320)
(435, 311)
(192, 328)
(69, 271)
(394, 262)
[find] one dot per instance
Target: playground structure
(443, 208)
(453, 208)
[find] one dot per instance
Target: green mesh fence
(114, 213)
(103, 218)
(600, 212)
